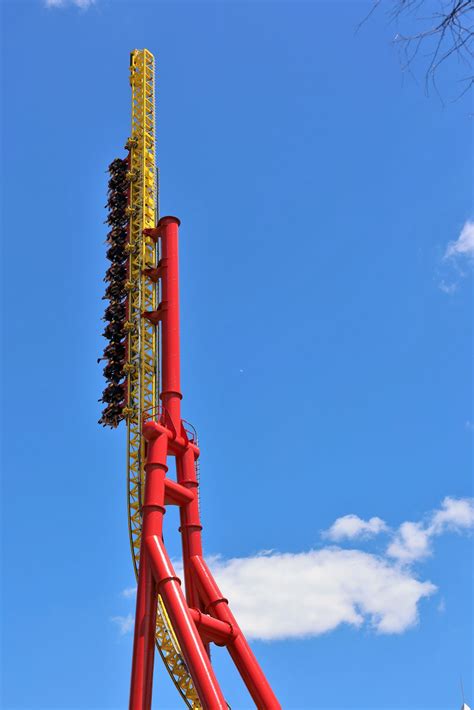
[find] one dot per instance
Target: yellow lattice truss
(143, 342)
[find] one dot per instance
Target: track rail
(143, 336)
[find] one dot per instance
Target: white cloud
(277, 595)
(448, 287)
(129, 592)
(464, 244)
(412, 541)
(82, 4)
(125, 623)
(309, 593)
(457, 256)
(455, 514)
(351, 526)
(315, 592)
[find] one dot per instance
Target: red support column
(203, 611)
(144, 638)
(240, 651)
(145, 617)
(190, 527)
(199, 664)
(170, 368)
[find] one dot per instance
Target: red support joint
(168, 219)
(175, 494)
(154, 316)
(153, 232)
(153, 273)
(220, 632)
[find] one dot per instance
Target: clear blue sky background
(318, 192)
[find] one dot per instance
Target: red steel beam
(175, 494)
(220, 632)
(170, 366)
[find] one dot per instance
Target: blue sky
(326, 264)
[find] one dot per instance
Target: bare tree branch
(445, 34)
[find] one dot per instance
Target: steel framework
(182, 625)
(201, 614)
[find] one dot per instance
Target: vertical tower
(143, 335)
(144, 352)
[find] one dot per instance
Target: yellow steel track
(143, 336)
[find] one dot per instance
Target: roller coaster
(143, 389)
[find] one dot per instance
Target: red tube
(144, 638)
(171, 394)
(240, 651)
(214, 630)
(190, 527)
(145, 616)
(190, 519)
(191, 644)
(176, 494)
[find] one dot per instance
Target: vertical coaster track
(141, 366)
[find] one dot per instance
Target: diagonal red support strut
(202, 615)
